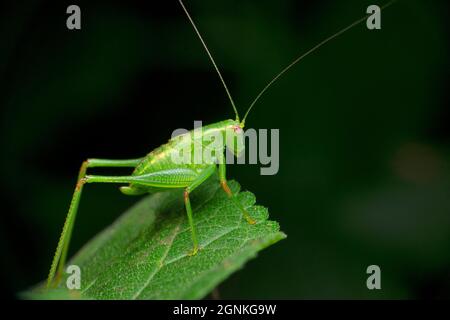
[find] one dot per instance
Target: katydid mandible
(157, 172)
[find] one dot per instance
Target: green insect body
(158, 172)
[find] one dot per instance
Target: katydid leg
(162, 179)
(187, 178)
(226, 188)
(60, 256)
(203, 176)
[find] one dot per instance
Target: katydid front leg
(226, 188)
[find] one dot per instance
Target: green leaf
(144, 254)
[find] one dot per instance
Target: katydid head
(234, 138)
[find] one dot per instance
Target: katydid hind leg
(60, 256)
(160, 179)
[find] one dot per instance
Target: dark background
(364, 131)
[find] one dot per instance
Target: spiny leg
(60, 256)
(203, 176)
(226, 188)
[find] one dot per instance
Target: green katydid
(158, 172)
